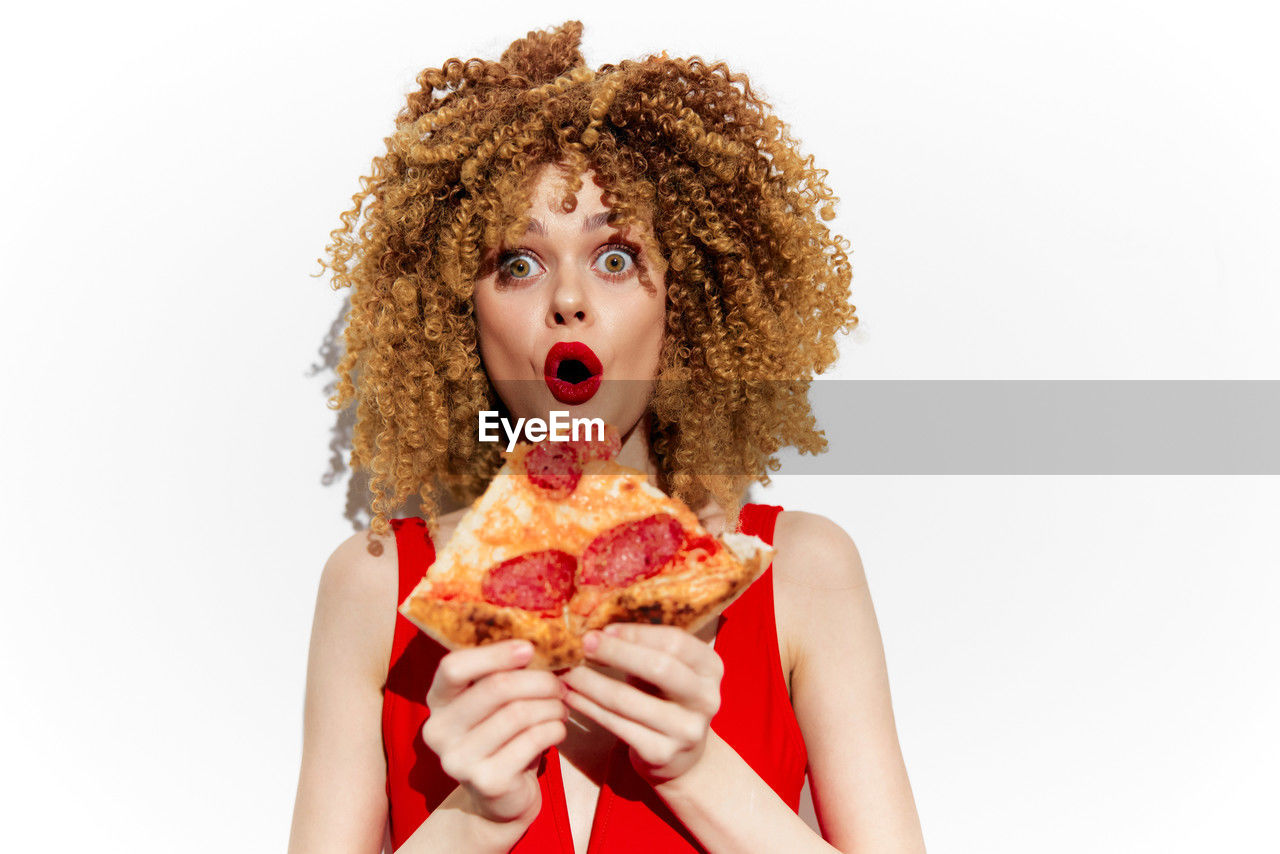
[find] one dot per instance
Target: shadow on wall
(357, 508)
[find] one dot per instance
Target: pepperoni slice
(554, 467)
(536, 581)
(632, 551)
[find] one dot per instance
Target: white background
(1082, 190)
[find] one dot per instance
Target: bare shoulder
(356, 602)
(341, 800)
(840, 689)
(815, 553)
(816, 564)
(359, 594)
(354, 553)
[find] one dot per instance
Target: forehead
(539, 206)
(551, 184)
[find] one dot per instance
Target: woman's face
(564, 321)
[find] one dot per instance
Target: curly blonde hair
(757, 285)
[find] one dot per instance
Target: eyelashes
(516, 266)
(612, 255)
(614, 261)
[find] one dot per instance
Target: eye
(616, 260)
(518, 265)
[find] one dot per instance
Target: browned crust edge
(717, 586)
(461, 624)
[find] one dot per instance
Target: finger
(496, 772)
(654, 747)
(498, 778)
(676, 642)
(488, 695)
(665, 672)
(461, 667)
(506, 723)
(630, 702)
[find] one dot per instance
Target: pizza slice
(566, 540)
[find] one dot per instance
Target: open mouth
(572, 372)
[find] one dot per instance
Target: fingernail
(591, 641)
(612, 631)
(522, 652)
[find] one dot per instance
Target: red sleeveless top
(755, 719)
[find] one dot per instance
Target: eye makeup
(521, 263)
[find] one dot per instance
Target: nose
(568, 300)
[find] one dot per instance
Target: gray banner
(1002, 426)
(1044, 427)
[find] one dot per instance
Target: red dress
(755, 718)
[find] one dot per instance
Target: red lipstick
(572, 372)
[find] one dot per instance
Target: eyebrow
(592, 223)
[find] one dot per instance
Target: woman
(656, 213)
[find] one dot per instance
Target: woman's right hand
(490, 721)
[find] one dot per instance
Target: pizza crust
(688, 597)
(462, 624)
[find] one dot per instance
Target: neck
(635, 454)
(635, 450)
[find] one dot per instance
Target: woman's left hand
(666, 724)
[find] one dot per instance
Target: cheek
(493, 328)
(654, 315)
(634, 324)
(497, 315)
